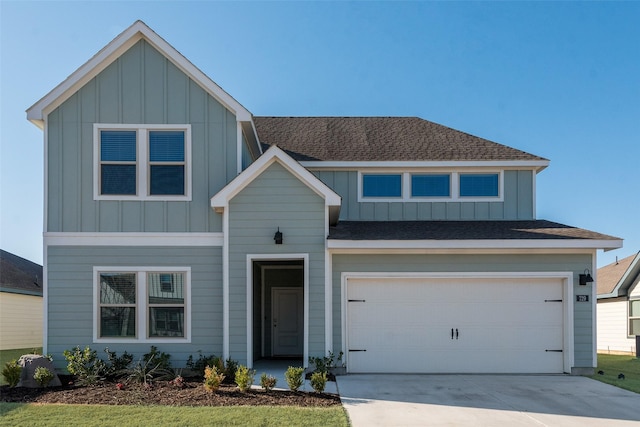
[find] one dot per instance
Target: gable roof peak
(114, 49)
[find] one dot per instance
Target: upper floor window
(143, 304)
(381, 185)
(634, 317)
(436, 186)
(430, 185)
(139, 162)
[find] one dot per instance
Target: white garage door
(455, 325)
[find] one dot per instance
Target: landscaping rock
(29, 363)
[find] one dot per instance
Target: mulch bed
(192, 393)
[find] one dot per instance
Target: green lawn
(612, 365)
(7, 355)
(19, 414)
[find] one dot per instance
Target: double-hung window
(142, 304)
(634, 317)
(142, 162)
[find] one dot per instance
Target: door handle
(456, 333)
(451, 333)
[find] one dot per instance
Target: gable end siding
(517, 204)
(140, 87)
(275, 199)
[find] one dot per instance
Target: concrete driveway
(485, 400)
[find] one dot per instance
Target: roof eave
(476, 244)
(537, 165)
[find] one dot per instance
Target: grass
(20, 414)
(612, 365)
(7, 355)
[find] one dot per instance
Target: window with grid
(165, 293)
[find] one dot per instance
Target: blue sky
(557, 79)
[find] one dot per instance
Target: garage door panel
(503, 325)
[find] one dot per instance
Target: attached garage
(458, 323)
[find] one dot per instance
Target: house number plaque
(582, 298)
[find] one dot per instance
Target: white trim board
(537, 165)
(132, 239)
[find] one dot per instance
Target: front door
(287, 321)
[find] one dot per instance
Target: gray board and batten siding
(275, 199)
(140, 87)
(582, 317)
(70, 300)
(518, 202)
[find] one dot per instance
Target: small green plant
(162, 359)
(293, 376)
(199, 365)
(324, 364)
(244, 378)
(268, 382)
(85, 365)
(43, 376)
(11, 372)
(212, 378)
(318, 381)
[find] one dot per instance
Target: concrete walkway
(486, 400)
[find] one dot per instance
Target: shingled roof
(461, 230)
(609, 276)
(19, 275)
(379, 139)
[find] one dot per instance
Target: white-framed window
(634, 317)
(142, 304)
(133, 162)
(430, 186)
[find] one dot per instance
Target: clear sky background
(557, 79)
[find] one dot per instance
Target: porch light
(585, 278)
(278, 237)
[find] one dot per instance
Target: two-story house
(175, 218)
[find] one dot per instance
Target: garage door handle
(456, 333)
(451, 333)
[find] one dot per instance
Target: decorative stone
(29, 363)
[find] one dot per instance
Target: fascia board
(538, 165)
(273, 154)
(473, 244)
(119, 45)
(626, 281)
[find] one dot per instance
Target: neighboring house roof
(274, 154)
(524, 234)
(618, 278)
(18, 275)
(386, 139)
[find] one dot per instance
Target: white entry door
(287, 321)
(455, 325)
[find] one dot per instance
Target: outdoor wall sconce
(585, 278)
(278, 237)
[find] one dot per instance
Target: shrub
(11, 372)
(231, 367)
(146, 371)
(294, 377)
(268, 382)
(212, 378)
(203, 361)
(244, 377)
(43, 376)
(116, 366)
(161, 359)
(85, 365)
(324, 364)
(318, 381)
